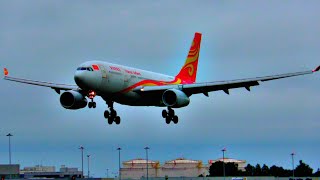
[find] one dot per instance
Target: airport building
(181, 167)
(39, 171)
(38, 168)
(137, 168)
(184, 168)
(9, 171)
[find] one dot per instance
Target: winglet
(316, 69)
(5, 71)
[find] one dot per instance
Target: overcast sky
(47, 40)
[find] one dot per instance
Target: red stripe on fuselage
(147, 83)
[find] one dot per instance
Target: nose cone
(79, 78)
(87, 80)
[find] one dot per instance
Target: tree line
(231, 169)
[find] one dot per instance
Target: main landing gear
(91, 95)
(112, 114)
(170, 116)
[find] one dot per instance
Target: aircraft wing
(56, 87)
(206, 87)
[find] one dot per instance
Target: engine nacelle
(73, 100)
(175, 98)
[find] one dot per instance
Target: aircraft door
(103, 71)
(126, 79)
(104, 80)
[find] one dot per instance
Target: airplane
(135, 87)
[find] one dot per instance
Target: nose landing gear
(170, 116)
(92, 104)
(91, 95)
(112, 114)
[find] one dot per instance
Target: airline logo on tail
(188, 72)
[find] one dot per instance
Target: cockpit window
(84, 69)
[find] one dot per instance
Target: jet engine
(73, 100)
(175, 98)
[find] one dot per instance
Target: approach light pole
(107, 173)
(88, 156)
(81, 148)
(9, 135)
(147, 148)
(119, 149)
(224, 170)
(292, 158)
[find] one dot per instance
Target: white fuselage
(116, 82)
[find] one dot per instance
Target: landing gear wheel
(90, 104)
(113, 113)
(117, 120)
(110, 120)
(106, 114)
(170, 116)
(175, 119)
(164, 113)
(171, 112)
(168, 119)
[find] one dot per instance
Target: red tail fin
(188, 72)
